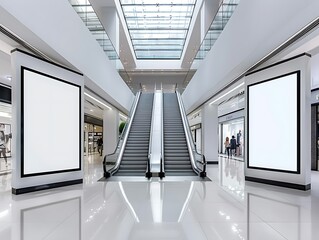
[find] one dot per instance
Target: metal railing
(118, 152)
(148, 173)
(162, 172)
(196, 158)
(155, 151)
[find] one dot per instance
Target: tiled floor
(225, 208)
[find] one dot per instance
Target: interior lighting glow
(156, 202)
(128, 202)
(4, 213)
(4, 114)
(88, 95)
(186, 201)
(230, 91)
(121, 115)
(194, 114)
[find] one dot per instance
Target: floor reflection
(47, 216)
(146, 210)
(232, 176)
(227, 208)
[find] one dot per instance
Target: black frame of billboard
(298, 123)
(23, 69)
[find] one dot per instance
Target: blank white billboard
(50, 124)
(273, 125)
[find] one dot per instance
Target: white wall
(210, 132)
(5, 67)
(110, 130)
(249, 35)
(59, 26)
(315, 71)
(5, 120)
(304, 178)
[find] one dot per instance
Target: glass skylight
(223, 15)
(91, 20)
(158, 28)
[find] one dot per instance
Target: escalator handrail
(162, 149)
(148, 170)
(190, 142)
(123, 138)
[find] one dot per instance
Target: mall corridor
(224, 146)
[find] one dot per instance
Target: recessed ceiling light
(227, 93)
(86, 94)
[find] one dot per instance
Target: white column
(210, 132)
(110, 130)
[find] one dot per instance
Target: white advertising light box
(51, 124)
(47, 126)
(277, 124)
(273, 123)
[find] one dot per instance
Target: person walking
(100, 146)
(227, 145)
(233, 145)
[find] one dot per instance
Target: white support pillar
(210, 132)
(110, 130)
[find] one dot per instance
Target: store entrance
(5, 138)
(232, 129)
(315, 137)
(92, 134)
(197, 136)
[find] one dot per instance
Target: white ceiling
(6, 45)
(136, 71)
(145, 76)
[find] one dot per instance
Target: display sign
(51, 124)
(273, 124)
(5, 140)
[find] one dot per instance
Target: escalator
(177, 160)
(133, 160)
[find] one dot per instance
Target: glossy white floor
(225, 208)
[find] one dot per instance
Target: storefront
(232, 126)
(315, 130)
(197, 136)
(5, 137)
(93, 131)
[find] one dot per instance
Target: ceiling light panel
(158, 28)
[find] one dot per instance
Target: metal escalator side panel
(155, 146)
(135, 154)
(176, 154)
(122, 140)
(190, 143)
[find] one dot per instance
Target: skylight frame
(178, 23)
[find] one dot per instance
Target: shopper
(233, 145)
(3, 147)
(238, 152)
(100, 146)
(227, 146)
